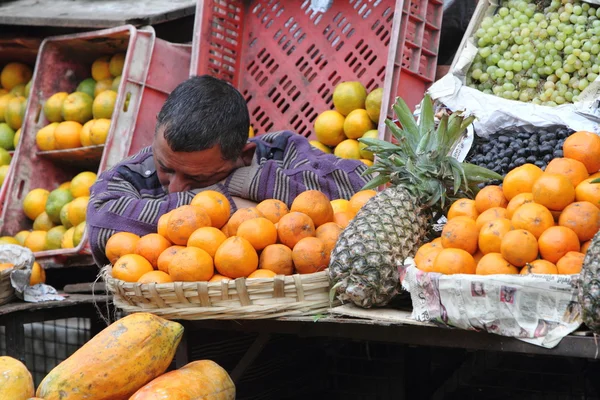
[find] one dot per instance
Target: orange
(571, 263)
(163, 223)
(45, 137)
(5, 266)
(166, 257)
(532, 217)
(273, 209)
(494, 263)
(520, 180)
(277, 258)
(491, 234)
(584, 147)
(572, 169)
(489, 215)
(460, 233)
(14, 74)
(191, 265)
(155, 277)
(207, 238)
(101, 68)
(343, 218)
(519, 247)
(359, 199)
(216, 206)
(225, 230)
(67, 135)
(478, 256)
(329, 128)
(488, 197)
(539, 267)
(340, 205)
(38, 274)
(314, 204)
(120, 244)
(53, 106)
(310, 255)
(583, 218)
(36, 241)
(588, 191)
(262, 273)
(357, 123)
(151, 246)
(117, 62)
(426, 256)
(183, 221)
(294, 226)
(131, 267)
(219, 278)
(553, 191)
(260, 232)
(34, 202)
(454, 261)
(102, 86)
(236, 258)
(241, 215)
(77, 107)
(104, 104)
(463, 208)
(585, 246)
(329, 234)
(557, 241)
(517, 202)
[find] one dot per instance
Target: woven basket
(22, 258)
(7, 292)
(235, 299)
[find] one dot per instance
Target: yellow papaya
(197, 380)
(15, 380)
(115, 363)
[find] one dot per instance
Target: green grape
(547, 70)
(500, 73)
(476, 73)
(576, 44)
(526, 64)
(592, 77)
(565, 78)
(573, 18)
(552, 30)
(503, 11)
(532, 83)
(536, 101)
(509, 75)
(559, 72)
(507, 55)
(568, 50)
(584, 56)
(517, 66)
(587, 46)
(497, 90)
(508, 65)
(543, 23)
(559, 44)
(484, 77)
(568, 7)
(587, 64)
(596, 68)
(581, 20)
(552, 78)
(569, 68)
(575, 99)
(507, 95)
(571, 59)
(564, 17)
(487, 91)
(485, 52)
(585, 6)
(577, 10)
(576, 92)
(480, 33)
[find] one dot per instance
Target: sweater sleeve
(285, 165)
(123, 199)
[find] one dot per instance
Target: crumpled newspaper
(23, 260)
(537, 309)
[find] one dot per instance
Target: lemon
(357, 123)
(348, 149)
(56, 200)
(54, 237)
(320, 146)
(372, 134)
(3, 172)
(21, 236)
(67, 240)
(53, 107)
(81, 183)
(100, 68)
(373, 104)
(5, 157)
(77, 210)
(329, 128)
(349, 96)
(45, 137)
(78, 234)
(43, 223)
(35, 203)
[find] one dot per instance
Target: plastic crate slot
(371, 85)
(126, 102)
(432, 14)
(20, 191)
(38, 114)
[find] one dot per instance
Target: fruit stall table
(103, 14)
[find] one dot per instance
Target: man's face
(182, 171)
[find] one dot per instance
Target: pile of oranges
(201, 242)
(538, 221)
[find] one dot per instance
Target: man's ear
(248, 153)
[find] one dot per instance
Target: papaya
(16, 382)
(116, 362)
(197, 380)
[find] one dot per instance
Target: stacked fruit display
(536, 222)
(132, 355)
(58, 216)
(201, 242)
(15, 83)
(82, 118)
(534, 53)
(356, 115)
(38, 274)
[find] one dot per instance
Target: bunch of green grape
(544, 52)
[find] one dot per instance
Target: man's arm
(119, 203)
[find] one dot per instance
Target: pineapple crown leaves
(419, 160)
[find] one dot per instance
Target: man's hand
(243, 203)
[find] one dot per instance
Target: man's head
(201, 131)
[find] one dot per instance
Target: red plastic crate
(286, 58)
(16, 50)
(152, 69)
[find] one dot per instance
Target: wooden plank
(86, 288)
(71, 300)
(95, 14)
(378, 315)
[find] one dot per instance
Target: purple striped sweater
(129, 197)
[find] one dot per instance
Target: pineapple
(589, 286)
(393, 224)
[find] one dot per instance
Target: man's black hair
(203, 112)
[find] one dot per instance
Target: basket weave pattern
(235, 299)
(7, 292)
